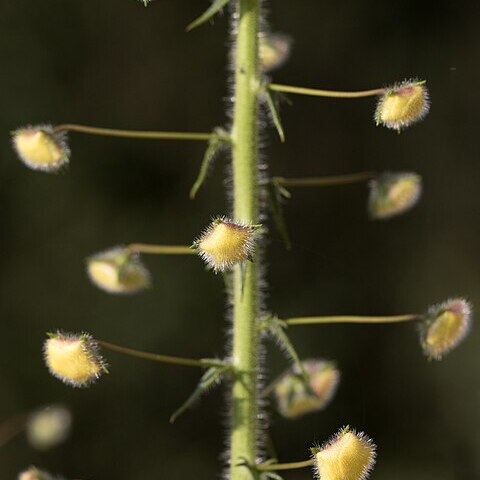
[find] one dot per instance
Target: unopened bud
(347, 456)
(118, 270)
(41, 148)
(74, 358)
(392, 194)
(225, 243)
(295, 397)
(402, 105)
(445, 326)
(34, 473)
(49, 427)
(274, 50)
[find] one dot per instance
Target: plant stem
(325, 181)
(325, 93)
(285, 466)
(112, 132)
(245, 352)
(186, 362)
(12, 427)
(161, 249)
(352, 319)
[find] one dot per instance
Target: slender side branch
(112, 132)
(187, 362)
(284, 466)
(325, 181)
(314, 92)
(161, 249)
(12, 427)
(352, 319)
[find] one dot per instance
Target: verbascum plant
(233, 244)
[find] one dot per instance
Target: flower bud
(445, 326)
(392, 194)
(49, 427)
(74, 358)
(274, 50)
(34, 473)
(347, 456)
(41, 148)
(295, 398)
(118, 270)
(402, 105)
(225, 243)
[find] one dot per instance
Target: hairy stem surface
(245, 308)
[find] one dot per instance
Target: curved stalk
(160, 249)
(325, 181)
(314, 92)
(284, 466)
(245, 351)
(352, 319)
(113, 132)
(186, 362)
(12, 427)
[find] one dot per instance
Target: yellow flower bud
(225, 243)
(48, 427)
(347, 456)
(402, 105)
(34, 473)
(74, 358)
(393, 194)
(41, 148)
(445, 326)
(118, 271)
(274, 50)
(295, 398)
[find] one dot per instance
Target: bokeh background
(115, 63)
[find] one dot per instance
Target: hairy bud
(49, 427)
(402, 105)
(445, 326)
(34, 473)
(118, 270)
(225, 243)
(74, 358)
(347, 456)
(41, 148)
(295, 398)
(274, 50)
(392, 194)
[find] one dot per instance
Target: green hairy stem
(245, 189)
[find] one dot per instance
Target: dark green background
(115, 63)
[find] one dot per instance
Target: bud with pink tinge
(392, 194)
(295, 398)
(445, 326)
(402, 105)
(74, 358)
